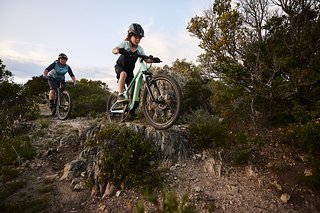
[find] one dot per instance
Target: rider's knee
(53, 92)
(123, 74)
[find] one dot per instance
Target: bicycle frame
(59, 91)
(161, 97)
(137, 81)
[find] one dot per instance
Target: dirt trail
(212, 185)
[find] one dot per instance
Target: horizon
(88, 31)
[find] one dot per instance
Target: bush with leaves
(127, 158)
(305, 136)
(89, 97)
(232, 104)
(197, 93)
(170, 203)
(206, 131)
(15, 108)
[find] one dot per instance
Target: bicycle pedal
(122, 101)
(119, 106)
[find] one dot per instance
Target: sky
(34, 32)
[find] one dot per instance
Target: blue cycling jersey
(58, 72)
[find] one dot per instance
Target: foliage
(7, 173)
(35, 87)
(274, 57)
(186, 69)
(5, 75)
(9, 189)
(28, 205)
(305, 136)
(313, 181)
(232, 104)
(206, 131)
(89, 97)
(14, 106)
(16, 149)
(197, 95)
(170, 204)
(128, 158)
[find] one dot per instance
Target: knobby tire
(114, 117)
(65, 106)
(166, 111)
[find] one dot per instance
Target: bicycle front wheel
(163, 110)
(64, 107)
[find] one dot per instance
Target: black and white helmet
(136, 29)
(62, 55)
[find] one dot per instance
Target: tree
(89, 97)
(13, 104)
(36, 86)
(273, 56)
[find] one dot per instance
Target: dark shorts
(54, 84)
(120, 69)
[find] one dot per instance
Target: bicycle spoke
(165, 109)
(64, 108)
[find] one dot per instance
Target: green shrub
(8, 190)
(170, 204)
(89, 97)
(28, 205)
(7, 173)
(196, 95)
(242, 156)
(305, 136)
(128, 158)
(46, 189)
(313, 180)
(232, 104)
(15, 150)
(206, 131)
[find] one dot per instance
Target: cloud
(24, 70)
(26, 60)
(104, 74)
(168, 48)
(23, 52)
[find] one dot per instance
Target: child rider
(126, 62)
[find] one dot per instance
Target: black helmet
(136, 29)
(62, 55)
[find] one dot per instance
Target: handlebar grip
(156, 60)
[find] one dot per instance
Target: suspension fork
(58, 95)
(147, 80)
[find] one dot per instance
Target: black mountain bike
(63, 103)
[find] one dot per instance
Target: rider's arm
(141, 51)
(121, 45)
(48, 69)
(115, 50)
(71, 74)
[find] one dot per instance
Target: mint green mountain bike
(161, 97)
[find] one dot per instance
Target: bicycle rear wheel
(65, 106)
(165, 110)
(115, 117)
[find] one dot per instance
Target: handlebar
(49, 77)
(143, 57)
(154, 59)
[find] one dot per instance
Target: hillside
(212, 182)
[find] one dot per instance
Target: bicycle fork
(157, 90)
